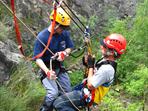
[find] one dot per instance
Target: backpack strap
(112, 63)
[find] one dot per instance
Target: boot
(44, 107)
(47, 105)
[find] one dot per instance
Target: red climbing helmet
(116, 42)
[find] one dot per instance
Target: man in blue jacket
(61, 45)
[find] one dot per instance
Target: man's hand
(90, 61)
(51, 75)
(61, 55)
(84, 60)
(90, 86)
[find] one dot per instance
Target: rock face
(88, 8)
(7, 59)
(104, 10)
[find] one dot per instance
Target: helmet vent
(116, 41)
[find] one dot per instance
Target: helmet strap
(57, 26)
(116, 55)
(112, 53)
(108, 52)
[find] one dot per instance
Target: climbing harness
(89, 96)
(53, 58)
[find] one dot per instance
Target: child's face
(103, 50)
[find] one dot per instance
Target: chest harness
(89, 96)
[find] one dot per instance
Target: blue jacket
(58, 43)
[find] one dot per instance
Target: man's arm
(89, 80)
(41, 64)
(68, 50)
(50, 73)
(90, 63)
(62, 54)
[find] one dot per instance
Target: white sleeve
(104, 74)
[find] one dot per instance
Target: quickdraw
(89, 49)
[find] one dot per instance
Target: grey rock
(8, 59)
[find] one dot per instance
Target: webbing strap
(18, 34)
(50, 36)
(92, 97)
(17, 31)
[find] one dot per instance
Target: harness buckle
(87, 95)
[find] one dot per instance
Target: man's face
(59, 28)
(106, 52)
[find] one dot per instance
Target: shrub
(138, 80)
(4, 32)
(10, 102)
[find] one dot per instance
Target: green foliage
(10, 102)
(114, 102)
(135, 31)
(138, 81)
(4, 31)
(76, 77)
(25, 88)
(135, 106)
(33, 96)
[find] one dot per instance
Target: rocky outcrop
(37, 12)
(122, 8)
(103, 10)
(34, 13)
(8, 59)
